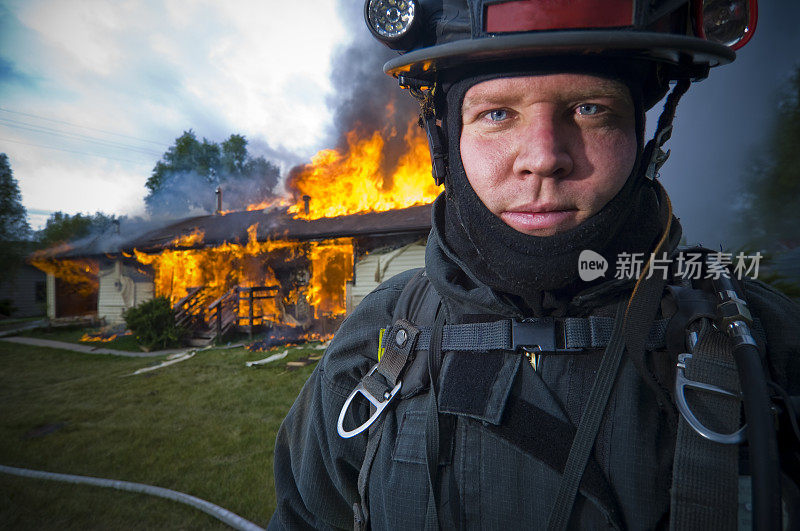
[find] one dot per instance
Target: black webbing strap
(400, 342)
(568, 334)
(418, 302)
(589, 425)
(631, 328)
(705, 473)
(432, 428)
(361, 508)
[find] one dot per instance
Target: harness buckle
(681, 383)
(536, 335)
(380, 405)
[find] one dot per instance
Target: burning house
(302, 264)
(265, 267)
(283, 269)
(86, 277)
(353, 217)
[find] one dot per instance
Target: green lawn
(6, 324)
(73, 334)
(205, 426)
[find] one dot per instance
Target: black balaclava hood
(540, 274)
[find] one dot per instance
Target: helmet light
(393, 22)
(728, 22)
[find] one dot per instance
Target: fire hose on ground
(223, 515)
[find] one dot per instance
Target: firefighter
(517, 382)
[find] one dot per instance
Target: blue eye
(498, 115)
(588, 109)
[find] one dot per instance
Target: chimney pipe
(218, 193)
(306, 201)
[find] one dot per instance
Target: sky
(93, 92)
(721, 125)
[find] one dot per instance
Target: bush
(153, 324)
(7, 307)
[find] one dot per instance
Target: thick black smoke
(365, 99)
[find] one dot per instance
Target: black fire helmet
(441, 41)
(680, 38)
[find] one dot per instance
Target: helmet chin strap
(654, 157)
(425, 93)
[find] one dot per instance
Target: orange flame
(220, 268)
(339, 182)
(193, 239)
(276, 202)
(351, 182)
(81, 273)
(87, 337)
(100, 337)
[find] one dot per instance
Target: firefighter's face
(545, 153)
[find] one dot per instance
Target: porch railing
(189, 311)
(239, 308)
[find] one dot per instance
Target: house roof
(233, 228)
(97, 244)
(278, 225)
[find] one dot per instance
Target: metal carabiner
(681, 382)
(380, 405)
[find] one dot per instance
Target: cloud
(151, 70)
(73, 185)
(9, 75)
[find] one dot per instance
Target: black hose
(762, 439)
(734, 318)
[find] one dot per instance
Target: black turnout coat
(506, 428)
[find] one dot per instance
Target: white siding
(144, 292)
(377, 267)
(121, 287)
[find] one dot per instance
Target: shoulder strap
(418, 303)
(705, 472)
(705, 466)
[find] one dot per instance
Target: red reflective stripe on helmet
(531, 15)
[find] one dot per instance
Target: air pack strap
(545, 334)
(705, 472)
(566, 335)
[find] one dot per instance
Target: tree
(61, 227)
(14, 228)
(234, 155)
(13, 216)
(187, 167)
(771, 211)
(189, 171)
(770, 214)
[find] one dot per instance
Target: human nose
(543, 149)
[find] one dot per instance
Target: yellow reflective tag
(380, 343)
